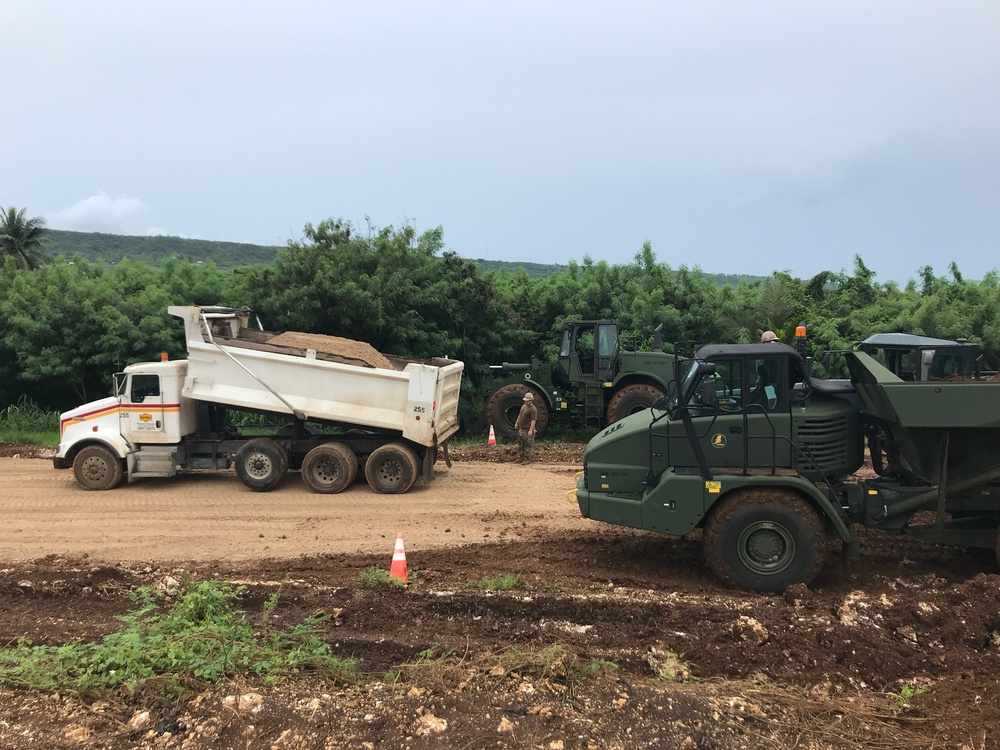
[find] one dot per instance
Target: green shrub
(202, 638)
(25, 422)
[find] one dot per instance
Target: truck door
(722, 430)
(749, 426)
(142, 409)
(768, 411)
(606, 354)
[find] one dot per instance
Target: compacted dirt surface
(612, 638)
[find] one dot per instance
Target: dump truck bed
(231, 364)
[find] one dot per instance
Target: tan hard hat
(768, 337)
(529, 397)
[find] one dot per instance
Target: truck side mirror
(708, 394)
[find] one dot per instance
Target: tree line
(67, 324)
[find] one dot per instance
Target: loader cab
(588, 353)
(920, 358)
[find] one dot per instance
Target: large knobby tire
(631, 399)
(329, 468)
(96, 467)
(503, 406)
(261, 463)
(764, 540)
(392, 469)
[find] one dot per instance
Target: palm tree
(22, 238)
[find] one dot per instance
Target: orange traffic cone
(398, 568)
(493, 437)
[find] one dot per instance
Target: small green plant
(669, 666)
(498, 583)
(202, 637)
(375, 576)
(26, 422)
(906, 693)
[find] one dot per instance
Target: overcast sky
(740, 137)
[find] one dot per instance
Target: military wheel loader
(594, 382)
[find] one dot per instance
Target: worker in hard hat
(769, 337)
(525, 425)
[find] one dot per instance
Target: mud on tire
(392, 469)
(631, 399)
(96, 467)
(329, 468)
(764, 540)
(261, 463)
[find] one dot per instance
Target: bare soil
(901, 650)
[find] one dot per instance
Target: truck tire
(503, 406)
(329, 468)
(764, 540)
(631, 399)
(392, 469)
(96, 467)
(261, 463)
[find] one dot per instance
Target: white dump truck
(341, 410)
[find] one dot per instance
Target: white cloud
(102, 213)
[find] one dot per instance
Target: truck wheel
(392, 469)
(98, 468)
(261, 463)
(503, 406)
(631, 399)
(329, 468)
(764, 540)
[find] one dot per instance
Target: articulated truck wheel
(98, 468)
(503, 406)
(261, 463)
(329, 468)
(392, 469)
(764, 540)
(631, 399)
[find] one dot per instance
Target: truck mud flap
(427, 466)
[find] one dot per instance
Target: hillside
(111, 248)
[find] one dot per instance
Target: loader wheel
(98, 468)
(631, 399)
(329, 468)
(764, 540)
(261, 463)
(503, 406)
(392, 469)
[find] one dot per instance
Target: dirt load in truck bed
(609, 637)
(341, 347)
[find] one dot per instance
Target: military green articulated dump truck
(595, 381)
(760, 455)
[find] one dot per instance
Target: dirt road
(209, 516)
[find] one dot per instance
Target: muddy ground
(901, 650)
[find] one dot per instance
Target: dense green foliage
(170, 647)
(66, 326)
